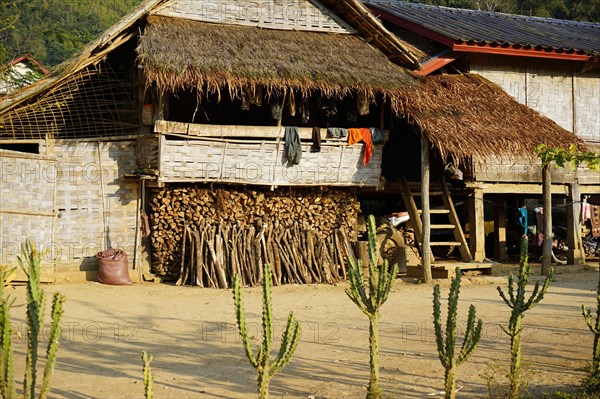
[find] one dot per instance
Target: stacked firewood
(186, 210)
(212, 255)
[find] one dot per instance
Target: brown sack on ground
(113, 267)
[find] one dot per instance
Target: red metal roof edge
(484, 48)
(29, 58)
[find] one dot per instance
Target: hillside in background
(52, 30)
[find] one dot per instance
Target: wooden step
(436, 211)
(445, 243)
(442, 226)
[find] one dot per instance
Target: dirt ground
(192, 335)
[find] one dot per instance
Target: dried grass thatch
(467, 115)
(189, 54)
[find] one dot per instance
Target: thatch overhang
(466, 116)
(184, 54)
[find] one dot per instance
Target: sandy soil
(197, 354)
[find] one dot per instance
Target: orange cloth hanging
(364, 135)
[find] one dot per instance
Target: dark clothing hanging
(292, 147)
(316, 140)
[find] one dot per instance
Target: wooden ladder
(453, 223)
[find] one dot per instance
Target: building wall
(79, 188)
(290, 14)
(560, 90)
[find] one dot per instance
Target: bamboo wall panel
(264, 163)
(587, 106)
(26, 204)
(88, 202)
(516, 170)
(550, 92)
(278, 14)
(559, 91)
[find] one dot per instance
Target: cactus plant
(379, 286)
(7, 388)
(30, 263)
(148, 377)
(289, 340)
(516, 301)
(594, 327)
(446, 346)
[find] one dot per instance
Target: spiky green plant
(446, 340)
(516, 301)
(30, 263)
(369, 300)
(7, 387)
(594, 326)
(289, 340)
(148, 377)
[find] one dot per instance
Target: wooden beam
(500, 252)
(231, 131)
(575, 254)
(477, 226)
(548, 238)
(518, 188)
(425, 215)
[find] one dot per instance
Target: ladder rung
(431, 193)
(444, 243)
(435, 211)
(442, 226)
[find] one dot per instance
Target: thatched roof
(180, 53)
(467, 115)
(372, 30)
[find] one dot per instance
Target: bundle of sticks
(184, 211)
(212, 255)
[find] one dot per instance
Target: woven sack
(113, 267)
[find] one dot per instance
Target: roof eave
(459, 45)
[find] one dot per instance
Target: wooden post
(500, 253)
(547, 245)
(477, 225)
(425, 214)
(576, 254)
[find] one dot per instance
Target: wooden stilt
(576, 254)
(477, 225)
(425, 214)
(500, 253)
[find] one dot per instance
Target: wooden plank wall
(272, 14)
(560, 90)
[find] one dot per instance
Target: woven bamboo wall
(83, 196)
(264, 163)
(558, 90)
(27, 197)
(290, 14)
(516, 170)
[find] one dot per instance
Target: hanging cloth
(316, 140)
(304, 110)
(363, 103)
(364, 135)
(276, 108)
(256, 96)
(291, 103)
(292, 146)
(523, 220)
(377, 135)
(595, 213)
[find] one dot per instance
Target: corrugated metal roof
(484, 27)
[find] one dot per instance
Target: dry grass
(189, 54)
(467, 115)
